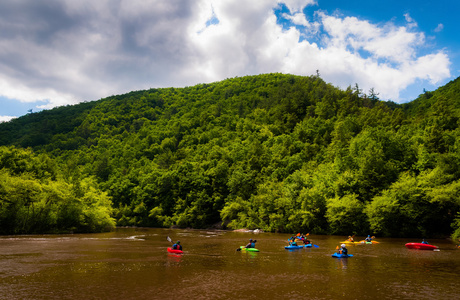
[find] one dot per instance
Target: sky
(62, 52)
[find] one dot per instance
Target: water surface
(134, 264)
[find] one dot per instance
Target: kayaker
(424, 242)
(177, 246)
(344, 250)
(368, 239)
(350, 239)
(292, 241)
(251, 244)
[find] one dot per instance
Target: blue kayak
(338, 255)
(298, 247)
(294, 247)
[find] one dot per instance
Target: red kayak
(170, 250)
(421, 246)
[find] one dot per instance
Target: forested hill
(277, 152)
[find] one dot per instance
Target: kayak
(338, 255)
(368, 243)
(291, 247)
(421, 246)
(349, 242)
(249, 249)
(170, 250)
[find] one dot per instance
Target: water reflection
(175, 258)
(342, 263)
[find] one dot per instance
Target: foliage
(279, 152)
(33, 201)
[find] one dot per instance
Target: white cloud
(74, 51)
(296, 6)
(6, 118)
(389, 42)
(410, 22)
(297, 19)
(439, 28)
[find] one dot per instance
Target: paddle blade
(316, 246)
(169, 239)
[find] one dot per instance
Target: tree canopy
(278, 152)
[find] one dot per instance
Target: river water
(134, 264)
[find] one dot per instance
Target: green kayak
(249, 249)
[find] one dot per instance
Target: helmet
(178, 242)
(343, 245)
(250, 240)
(369, 236)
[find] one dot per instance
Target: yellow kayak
(349, 242)
(364, 242)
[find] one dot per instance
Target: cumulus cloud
(297, 19)
(296, 6)
(6, 118)
(70, 51)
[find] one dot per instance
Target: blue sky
(60, 52)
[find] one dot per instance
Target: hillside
(278, 152)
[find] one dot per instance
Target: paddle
(169, 239)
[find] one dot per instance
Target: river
(132, 263)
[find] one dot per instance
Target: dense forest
(278, 152)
